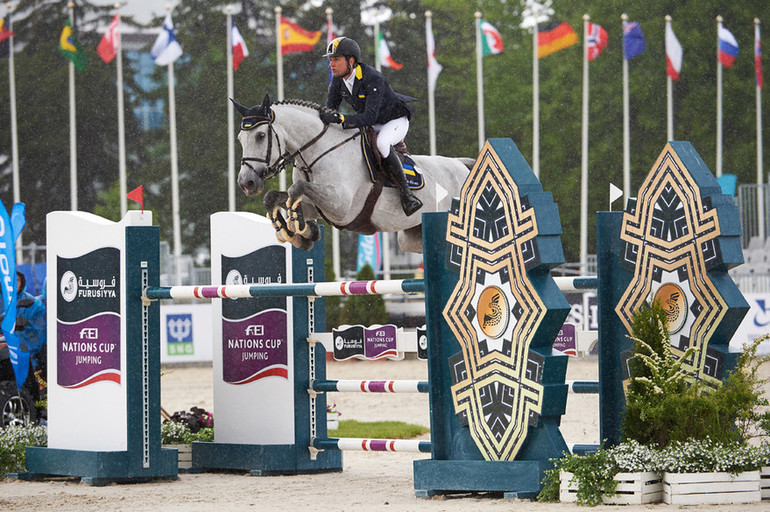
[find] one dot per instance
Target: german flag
(554, 36)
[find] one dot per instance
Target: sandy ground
(369, 481)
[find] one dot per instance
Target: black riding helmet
(344, 46)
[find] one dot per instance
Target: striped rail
(371, 445)
(371, 386)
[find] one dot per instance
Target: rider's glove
(332, 117)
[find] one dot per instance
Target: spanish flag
(554, 36)
(70, 47)
(295, 38)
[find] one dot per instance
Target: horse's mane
(303, 103)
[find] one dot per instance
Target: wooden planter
(711, 488)
(332, 421)
(764, 482)
(184, 452)
(632, 489)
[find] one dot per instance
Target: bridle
(251, 122)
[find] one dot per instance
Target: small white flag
(166, 48)
(615, 193)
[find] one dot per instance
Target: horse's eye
(261, 135)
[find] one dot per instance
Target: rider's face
(340, 66)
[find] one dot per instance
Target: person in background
(31, 325)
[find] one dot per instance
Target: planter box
(632, 489)
(332, 421)
(764, 482)
(184, 452)
(711, 488)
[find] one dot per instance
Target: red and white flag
(240, 51)
(757, 56)
(434, 68)
(597, 40)
(673, 54)
(385, 57)
(108, 46)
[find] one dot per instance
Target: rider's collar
(359, 71)
(251, 122)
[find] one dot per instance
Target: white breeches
(390, 134)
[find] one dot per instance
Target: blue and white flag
(166, 48)
(369, 252)
(10, 229)
(633, 40)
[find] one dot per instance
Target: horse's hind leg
(410, 240)
(274, 201)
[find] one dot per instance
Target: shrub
(13, 443)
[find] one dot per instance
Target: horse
(330, 178)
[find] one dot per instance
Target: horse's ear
(267, 102)
(240, 108)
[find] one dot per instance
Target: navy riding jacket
(373, 99)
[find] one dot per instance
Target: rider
(376, 105)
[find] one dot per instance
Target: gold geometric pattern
(670, 236)
(497, 392)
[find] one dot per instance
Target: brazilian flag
(70, 47)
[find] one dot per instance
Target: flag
(597, 40)
(240, 51)
(554, 36)
(728, 47)
(137, 195)
(166, 48)
(491, 40)
(434, 68)
(673, 54)
(757, 56)
(70, 47)
(633, 40)
(5, 35)
(384, 52)
(108, 46)
(296, 39)
(10, 229)
(369, 252)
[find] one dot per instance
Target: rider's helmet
(343, 46)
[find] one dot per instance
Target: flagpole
(121, 121)
(719, 103)
(279, 59)
(535, 104)
(626, 128)
(230, 115)
(431, 87)
(670, 98)
(760, 171)
(385, 235)
(335, 232)
(479, 80)
(377, 64)
(73, 126)
(584, 159)
(14, 127)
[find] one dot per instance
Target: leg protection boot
(409, 203)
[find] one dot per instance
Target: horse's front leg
(301, 213)
(274, 201)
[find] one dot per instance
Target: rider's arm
(334, 98)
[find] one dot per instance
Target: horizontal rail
(371, 445)
(324, 289)
(583, 387)
(371, 386)
(576, 283)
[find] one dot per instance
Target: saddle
(374, 162)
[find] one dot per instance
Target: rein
(251, 122)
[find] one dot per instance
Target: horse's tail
(467, 162)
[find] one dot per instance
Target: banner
(10, 229)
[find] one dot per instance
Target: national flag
(491, 40)
(137, 195)
(434, 68)
(633, 40)
(728, 47)
(757, 56)
(70, 47)
(673, 54)
(554, 36)
(5, 35)
(384, 52)
(166, 48)
(108, 46)
(296, 39)
(597, 40)
(10, 229)
(240, 51)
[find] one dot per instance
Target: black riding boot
(392, 164)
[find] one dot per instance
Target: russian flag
(728, 47)
(757, 55)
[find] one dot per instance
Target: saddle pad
(413, 176)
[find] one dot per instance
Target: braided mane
(303, 103)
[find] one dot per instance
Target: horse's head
(256, 139)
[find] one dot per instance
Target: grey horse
(330, 177)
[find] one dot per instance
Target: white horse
(330, 178)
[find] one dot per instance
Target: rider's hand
(332, 117)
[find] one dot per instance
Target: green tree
(364, 309)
